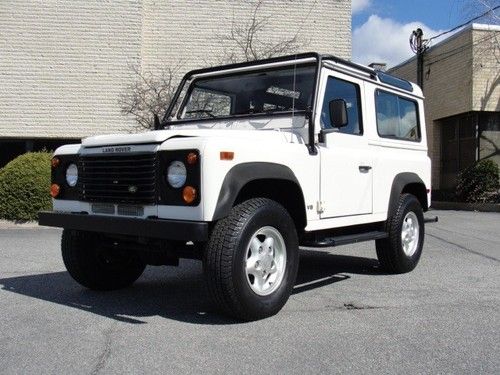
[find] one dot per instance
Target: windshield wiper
(207, 111)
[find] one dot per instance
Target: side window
(396, 117)
(387, 114)
(340, 89)
(408, 120)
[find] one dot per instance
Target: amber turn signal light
(192, 158)
(55, 189)
(189, 194)
(54, 162)
(226, 155)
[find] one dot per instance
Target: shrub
(479, 182)
(24, 187)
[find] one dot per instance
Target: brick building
(462, 98)
(63, 64)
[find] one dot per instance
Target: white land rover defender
(250, 162)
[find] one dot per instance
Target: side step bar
(353, 238)
(431, 219)
(345, 239)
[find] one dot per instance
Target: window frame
(359, 105)
(398, 96)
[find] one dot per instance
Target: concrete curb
(460, 206)
(5, 224)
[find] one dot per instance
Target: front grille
(127, 178)
(103, 208)
(128, 210)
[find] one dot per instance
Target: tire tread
(388, 248)
(219, 254)
(78, 256)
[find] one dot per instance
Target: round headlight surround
(177, 174)
(72, 175)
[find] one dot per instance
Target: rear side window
(397, 117)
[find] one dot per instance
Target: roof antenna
(293, 90)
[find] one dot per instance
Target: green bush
(479, 182)
(25, 186)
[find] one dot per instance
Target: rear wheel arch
(262, 180)
(409, 183)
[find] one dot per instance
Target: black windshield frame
(291, 58)
(303, 106)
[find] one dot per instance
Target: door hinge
(319, 207)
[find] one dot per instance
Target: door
(346, 166)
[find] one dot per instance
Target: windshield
(280, 90)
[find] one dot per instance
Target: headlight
(176, 174)
(72, 175)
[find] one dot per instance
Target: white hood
(157, 136)
(253, 129)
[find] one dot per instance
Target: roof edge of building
(485, 27)
(470, 26)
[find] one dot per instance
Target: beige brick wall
(191, 31)
(486, 70)
(486, 85)
(63, 64)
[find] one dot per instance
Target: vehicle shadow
(177, 293)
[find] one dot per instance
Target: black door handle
(364, 168)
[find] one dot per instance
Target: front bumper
(149, 228)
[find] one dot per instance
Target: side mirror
(157, 124)
(338, 113)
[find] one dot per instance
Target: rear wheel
(95, 266)
(251, 260)
(401, 251)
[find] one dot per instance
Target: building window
(466, 138)
(489, 136)
(397, 117)
(458, 147)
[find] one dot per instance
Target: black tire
(390, 252)
(225, 259)
(95, 267)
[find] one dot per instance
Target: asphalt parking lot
(345, 316)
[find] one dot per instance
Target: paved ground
(345, 316)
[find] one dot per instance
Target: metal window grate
(127, 178)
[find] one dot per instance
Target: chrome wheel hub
(265, 261)
(410, 234)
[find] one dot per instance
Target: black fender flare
(398, 184)
(241, 174)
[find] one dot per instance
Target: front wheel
(96, 267)
(400, 252)
(251, 260)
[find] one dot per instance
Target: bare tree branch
(253, 40)
(150, 93)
